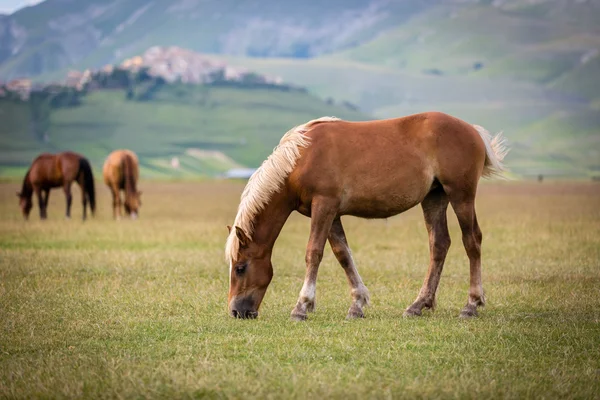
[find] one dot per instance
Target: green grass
(133, 309)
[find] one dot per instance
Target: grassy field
(137, 309)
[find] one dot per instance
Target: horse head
(133, 203)
(250, 272)
(25, 203)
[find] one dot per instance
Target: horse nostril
(247, 314)
(251, 314)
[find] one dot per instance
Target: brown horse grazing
(327, 168)
(121, 172)
(57, 170)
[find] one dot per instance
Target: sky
(10, 6)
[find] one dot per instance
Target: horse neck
(27, 188)
(269, 222)
(129, 178)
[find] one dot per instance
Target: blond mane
(267, 180)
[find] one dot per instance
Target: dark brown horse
(57, 170)
(327, 168)
(121, 172)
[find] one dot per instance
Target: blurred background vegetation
(197, 88)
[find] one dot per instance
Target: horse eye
(240, 268)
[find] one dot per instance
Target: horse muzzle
(243, 308)
(244, 314)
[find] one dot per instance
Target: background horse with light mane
(57, 170)
(121, 172)
(328, 168)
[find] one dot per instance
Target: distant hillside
(178, 129)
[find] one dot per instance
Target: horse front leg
(434, 206)
(323, 212)
(69, 198)
(46, 198)
(341, 250)
(116, 202)
(46, 201)
(40, 198)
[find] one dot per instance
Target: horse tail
(88, 182)
(495, 151)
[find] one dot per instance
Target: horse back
(381, 168)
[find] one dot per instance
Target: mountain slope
(208, 129)
(534, 42)
(61, 33)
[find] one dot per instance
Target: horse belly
(383, 201)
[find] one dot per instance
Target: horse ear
(228, 228)
(244, 240)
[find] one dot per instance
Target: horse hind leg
(341, 250)
(323, 212)
(472, 238)
(69, 197)
(434, 207)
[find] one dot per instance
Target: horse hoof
(411, 312)
(468, 312)
(298, 316)
(310, 307)
(355, 312)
